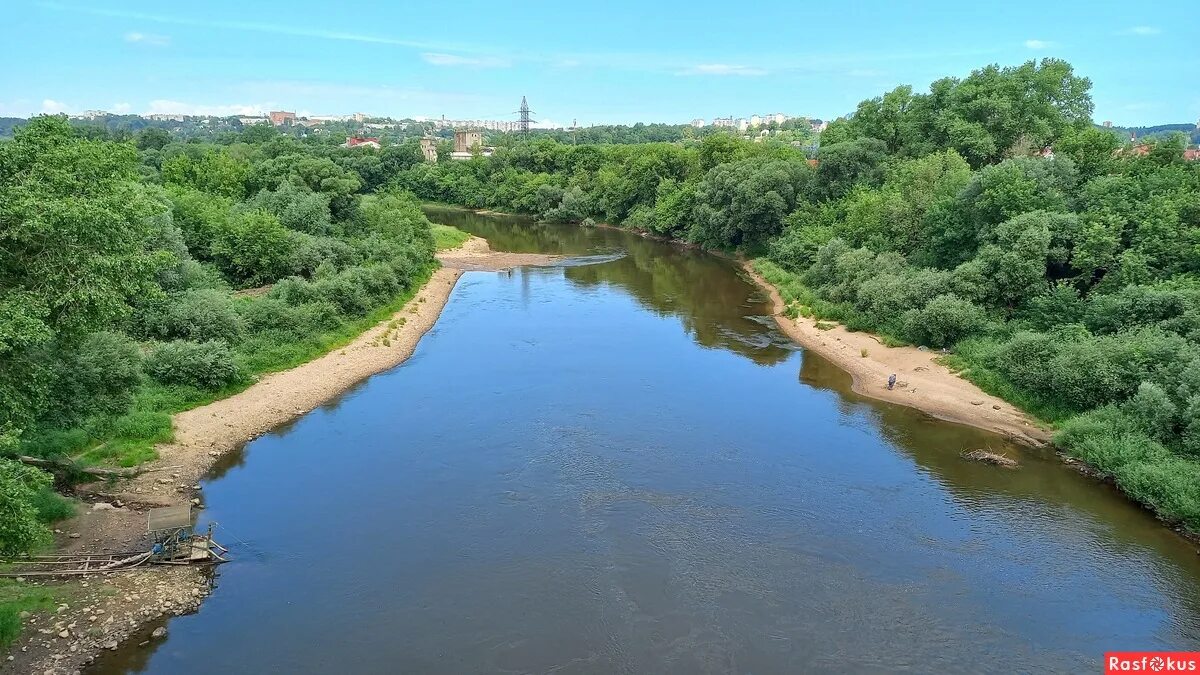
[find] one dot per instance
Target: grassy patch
(1142, 467)
(447, 237)
(17, 597)
(969, 362)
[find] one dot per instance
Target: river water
(625, 467)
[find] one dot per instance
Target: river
(626, 467)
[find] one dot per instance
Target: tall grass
(447, 237)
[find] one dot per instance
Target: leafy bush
(21, 529)
(197, 315)
(204, 365)
(253, 248)
(944, 321)
(96, 377)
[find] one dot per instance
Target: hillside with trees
(987, 216)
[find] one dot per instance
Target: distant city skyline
(671, 62)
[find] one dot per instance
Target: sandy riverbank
(475, 254)
(107, 610)
(922, 383)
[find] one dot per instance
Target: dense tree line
(988, 216)
(122, 266)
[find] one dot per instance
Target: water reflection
(562, 480)
(719, 309)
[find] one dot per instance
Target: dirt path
(921, 382)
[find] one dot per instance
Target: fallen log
(67, 466)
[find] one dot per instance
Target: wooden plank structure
(175, 540)
(175, 543)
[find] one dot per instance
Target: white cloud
(439, 59)
(148, 39)
(1142, 30)
(52, 107)
(723, 69)
(121, 108)
(1039, 44)
(167, 107)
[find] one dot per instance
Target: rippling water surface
(625, 467)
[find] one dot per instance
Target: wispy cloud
(254, 27)
(1142, 30)
(121, 108)
(148, 39)
(168, 107)
(1039, 44)
(52, 107)
(439, 59)
(722, 69)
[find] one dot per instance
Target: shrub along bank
(988, 216)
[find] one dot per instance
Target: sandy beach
(921, 382)
(111, 609)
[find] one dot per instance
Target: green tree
(254, 249)
(20, 529)
(744, 203)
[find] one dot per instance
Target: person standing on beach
(891, 381)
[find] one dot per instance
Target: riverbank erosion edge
(104, 611)
(921, 382)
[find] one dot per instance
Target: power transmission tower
(574, 131)
(524, 121)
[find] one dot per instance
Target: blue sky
(613, 61)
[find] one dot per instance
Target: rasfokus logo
(1151, 662)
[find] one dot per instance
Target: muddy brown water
(625, 467)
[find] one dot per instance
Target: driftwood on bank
(67, 466)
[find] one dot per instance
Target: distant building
(742, 124)
(167, 117)
(698, 122)
(360, 117)
(90, 115)
(282, 117)
(247, 121)
(467, 144)
(361, 142)
(465, 140)
(1107, 124)
(722, 122)
(1192, 154)
(429, 149)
